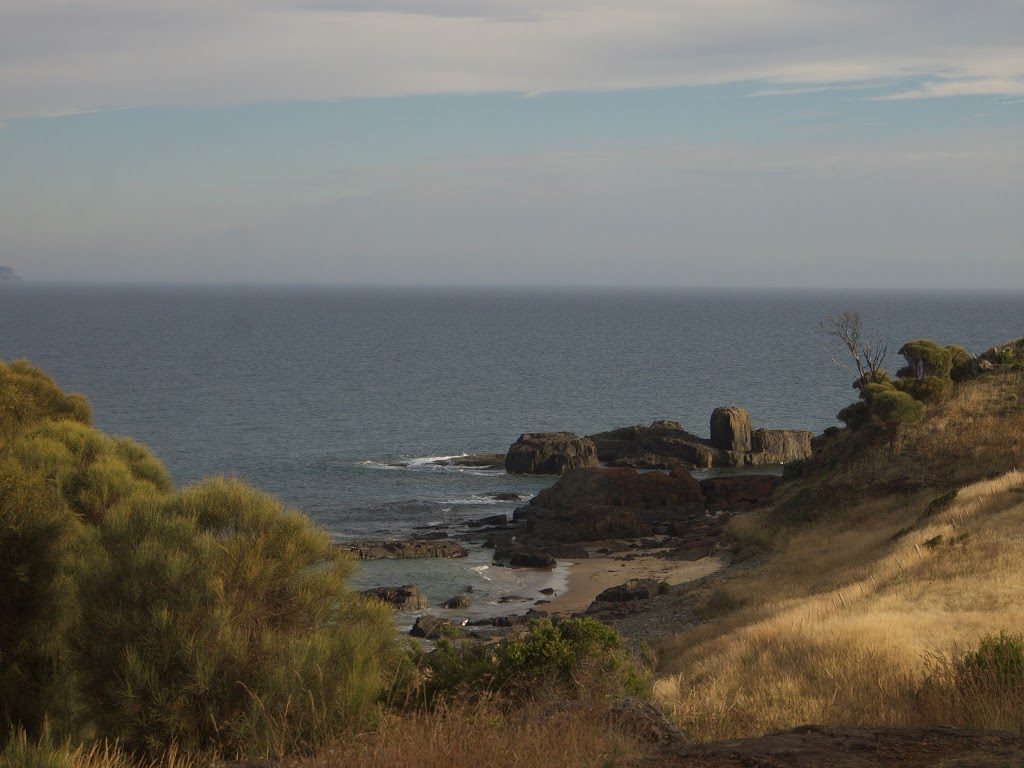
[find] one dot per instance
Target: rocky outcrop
(530, 558)
(662, 445)
(730, 429)
(404, 598)
(404, 550)
(779, 446)
(737, 492)
(618, 487)
(633, 589)
(456, 603)
(550, 453)
(666, 445)
(6, 273)
(603, 503)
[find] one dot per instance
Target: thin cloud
(947, 88)
(63, 57)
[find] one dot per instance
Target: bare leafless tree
(867, 349)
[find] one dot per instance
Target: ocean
(338, 400)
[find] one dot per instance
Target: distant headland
(6, 273)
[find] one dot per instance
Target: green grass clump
(577, 658)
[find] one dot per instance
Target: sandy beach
(588, 578)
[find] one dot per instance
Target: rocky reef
(616, 502)
(663, 445)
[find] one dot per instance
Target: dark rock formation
(737, 491)
(666, 445)
(550, 453)
(6, 273)
(458, 602)
(779, 446)
(404, 598)
(619, 488)
(531, 558)
(593, 504)
(730, 429)
(402, 550)
(663, 445)
(633, 589)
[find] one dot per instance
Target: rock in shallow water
(550, 453)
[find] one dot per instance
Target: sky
(801, 144)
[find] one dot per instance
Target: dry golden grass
(483, 733)
(21, 753)
(977, 433)
(845, 624)
(546, 734)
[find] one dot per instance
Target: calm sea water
(336, 399)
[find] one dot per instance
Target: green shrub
(940, 503)
(212, 619)
(92, 471)
(962, 364)
(997, 661)
(926, 358)
(42, 542)
(928, 389)
(28, 396)
(579, 657)
(218, 620)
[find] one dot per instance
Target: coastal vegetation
(147, 625)
(204, 619)
(892, 593)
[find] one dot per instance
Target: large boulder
(730, 429)
(779, 446)
(633, 589)
(662, 445)
(550, 453)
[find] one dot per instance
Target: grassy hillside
(891, 563)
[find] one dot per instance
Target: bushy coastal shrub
(998, 659)
(92, 471)
(211, 618)
(982, 688)
(220, 620)
(579, 657)
(28, 396)
(962, 363)
(43, 544)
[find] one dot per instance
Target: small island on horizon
(6, 273)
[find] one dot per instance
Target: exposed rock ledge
(663, 445)
(402, 550)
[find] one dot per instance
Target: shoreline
(588, 578)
